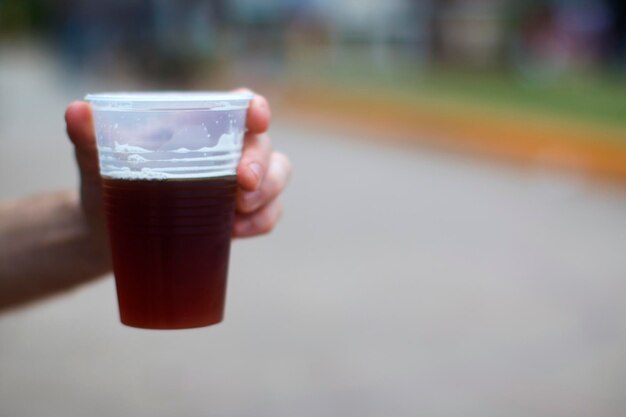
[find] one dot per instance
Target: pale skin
(54, 242)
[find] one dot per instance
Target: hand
(262, 173)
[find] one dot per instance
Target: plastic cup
(168, 163)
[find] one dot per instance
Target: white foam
(182, 150)
(187, 169)
(126, 174)
(125, 148)
(125, 161)
(206, 158)
(137, 158)
(207, 149)
(146, 174)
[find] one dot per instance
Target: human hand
(261, 175)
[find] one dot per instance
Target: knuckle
(257, 143)
(272, 186)
(249, 201)
(264, 222)
(284, 162)
(262, 229)
(265, 142)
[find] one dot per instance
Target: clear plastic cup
(168, 163)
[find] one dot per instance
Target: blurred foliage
(20, 16)
(594, 99)
(532, 56)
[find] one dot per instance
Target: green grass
(591, 99)
(597, 99)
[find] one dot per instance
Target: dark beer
(170, 242)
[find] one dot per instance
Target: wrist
(47, 246)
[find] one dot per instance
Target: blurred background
(454, 236)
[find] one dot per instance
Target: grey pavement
(401, 282)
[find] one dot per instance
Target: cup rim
(169, 100)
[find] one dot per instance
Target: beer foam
(125, 173)
(130, 162)
(136, 158)
(125, 148)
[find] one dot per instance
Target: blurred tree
(20, 17)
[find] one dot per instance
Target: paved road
(401, 282)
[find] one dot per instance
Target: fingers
(255, 159)
(258, 211)
(80, 125)
(273, 183)
(261, 175)
(259, 222)
(259, 113)
(257, 147)
(80, 129)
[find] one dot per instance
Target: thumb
(80, 129)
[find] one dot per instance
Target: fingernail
(257, 170)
